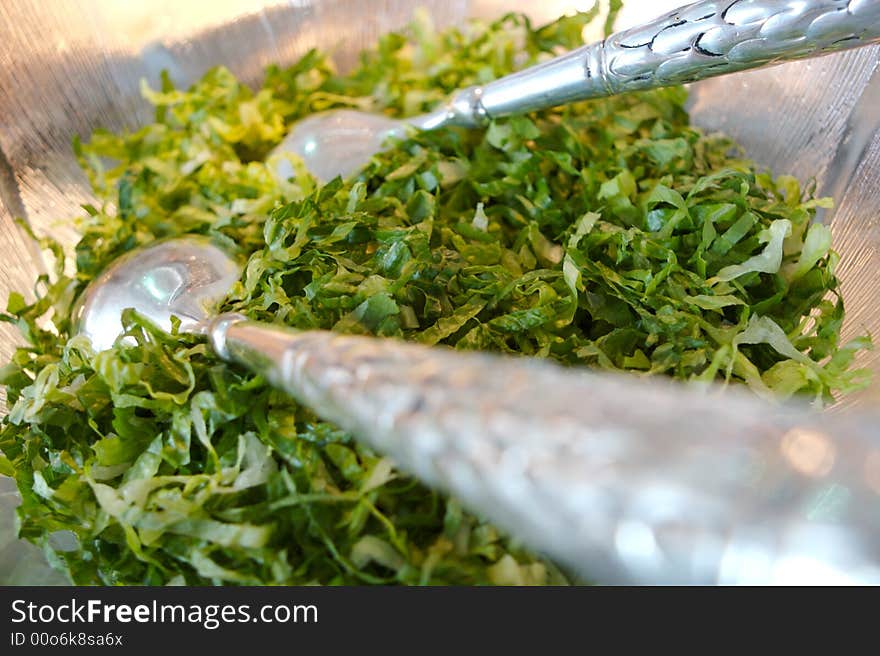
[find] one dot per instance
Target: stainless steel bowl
(70, 66)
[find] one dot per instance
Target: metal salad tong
(698, 41)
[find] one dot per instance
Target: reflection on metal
(182, 278)
(809, 452)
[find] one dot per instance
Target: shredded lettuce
(767, 261)
(607, 234)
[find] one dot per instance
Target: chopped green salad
(608, 234)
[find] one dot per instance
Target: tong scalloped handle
(701, 40)
(624, 479)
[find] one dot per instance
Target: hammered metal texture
(727, 36)
(605, 473)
